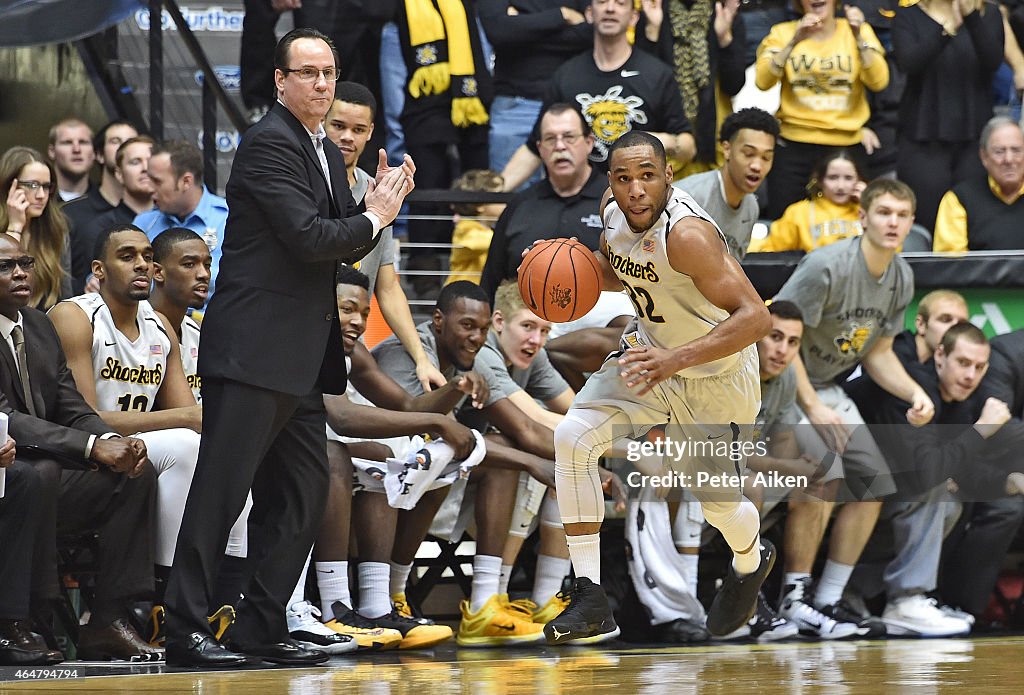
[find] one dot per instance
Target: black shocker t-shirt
(641, 95)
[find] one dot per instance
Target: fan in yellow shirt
(824, 65)
(471, 238)
(831, 213)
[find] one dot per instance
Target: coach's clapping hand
(121, 454)
(7, 452)
(389, 188)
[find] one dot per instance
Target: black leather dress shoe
(201, 650)
(286, 653)
(26, 644)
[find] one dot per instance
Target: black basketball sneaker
(586, 620)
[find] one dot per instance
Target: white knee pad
(549, 514)
(688, 524)
(581, 439)
(739, 522)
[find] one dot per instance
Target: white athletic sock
(299, 592)
(748, 562)
(332, 580)
(486, 576)
(374, 583)
(585, 552)
(399, 577)
(506, 575)
(833, 582)
(548, 580)
(691, 566)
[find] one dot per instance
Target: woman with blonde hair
(32, 216)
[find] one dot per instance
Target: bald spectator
(73, 155)
(987, 214)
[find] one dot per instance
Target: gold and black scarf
(443, 50)
(690, 60)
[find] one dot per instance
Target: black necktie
(18, 336)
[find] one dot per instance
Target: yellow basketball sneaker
(401, 605)
(221, 620)
(155, 626)
(523, 606)
(417, 633)
(495, 625)
(367, 635)
(550, 610)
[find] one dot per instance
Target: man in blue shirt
(176, 170)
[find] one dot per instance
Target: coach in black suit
(55, 428)
(271, 348)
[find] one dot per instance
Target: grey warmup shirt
(779, 411)
(737, 224)
(398, 364)
(845, 309)
(540, 380)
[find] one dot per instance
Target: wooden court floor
(994, 666)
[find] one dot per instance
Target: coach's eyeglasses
(309, 74)
(567, 138)
(7, 265)
(35, 186)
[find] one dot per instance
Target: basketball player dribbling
(687, 361)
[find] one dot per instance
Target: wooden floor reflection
(992, 666)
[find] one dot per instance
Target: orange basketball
(560, 280)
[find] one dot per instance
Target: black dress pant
(974, 552)
(70, 503)
(19, 519)
(932, 168)
(273, 443)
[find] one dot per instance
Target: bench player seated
(521, 377)
(128, 367)
(182, 268)
(452, 338)
(377, 623)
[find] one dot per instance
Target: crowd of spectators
(527, 97)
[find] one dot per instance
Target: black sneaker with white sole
(869, 625)
(765, 626)
(586, 620)
(736, 601)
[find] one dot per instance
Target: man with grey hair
(987, 215)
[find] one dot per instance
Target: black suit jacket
(273, 320)
(64, 420)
